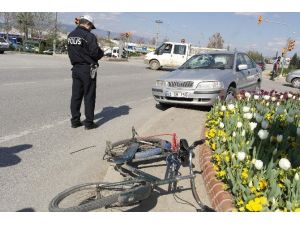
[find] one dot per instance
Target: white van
(173, 54)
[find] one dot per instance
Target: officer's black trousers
(83, 87)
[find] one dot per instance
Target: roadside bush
(256, 149)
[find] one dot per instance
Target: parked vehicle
(173, 55)
(262, 65)
(294, 78)
(48, 51)
(207, 76)
(4, 45)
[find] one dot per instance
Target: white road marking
(44, 127)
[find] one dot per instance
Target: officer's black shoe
(91, 126)
(76, 124)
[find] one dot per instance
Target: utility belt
(92, 67)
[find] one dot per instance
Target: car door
(241, 74)
(178, 55)
(253, 72)
(165, 53)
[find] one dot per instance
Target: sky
(239, 30)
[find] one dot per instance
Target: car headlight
(210, 85)
(160, 83)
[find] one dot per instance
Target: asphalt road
(37, 143)
(40, 155)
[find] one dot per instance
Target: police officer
(84, 54)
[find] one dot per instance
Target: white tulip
(247, 95)
(284, 164)
(221, 125)
(239, 124)
(281, 96)
(296, 177)
(266, 97)
(233, 134)
(258, 164)
(241, 156)
(278, 103)
(253, 125)
(279, 138)
(248, 116)
(298, 131)
(246, 109)
(256, 97)
(231, 106)
(223, 108)
(273, 99)
(267, 104)
(263, 134)
(290, 95)
(294, 97)
(264, 124)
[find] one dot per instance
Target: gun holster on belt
(93, 70)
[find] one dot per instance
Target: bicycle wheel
(89, 196)
(118, 148)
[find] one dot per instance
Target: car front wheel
(230, 94)
(296, 82)
(154, 65)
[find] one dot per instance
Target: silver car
(294, 78)
(204, 77)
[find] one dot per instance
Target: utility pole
(55, 34)
(157, 34)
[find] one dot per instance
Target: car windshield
(209, 61)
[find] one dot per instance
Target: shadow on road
(110, 113)
(150, 203)
(26, 210)
(8, 155)
(164, 107)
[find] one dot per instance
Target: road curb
(221, 200)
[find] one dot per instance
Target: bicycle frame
(142, 176)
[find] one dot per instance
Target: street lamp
(157, 34)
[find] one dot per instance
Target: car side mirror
(242, 67)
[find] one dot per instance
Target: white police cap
(90, 19)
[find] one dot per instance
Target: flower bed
(256, 150)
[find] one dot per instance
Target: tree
(8, 20)
(215, 41)
(43, 23)
(25, 22)
(256, 56)
(295, 62)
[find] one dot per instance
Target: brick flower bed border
(221, 200)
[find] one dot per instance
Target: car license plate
(177, 94)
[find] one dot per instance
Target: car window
(209, 61)
(168, 48)
(179, 49)
(240, 60)
(249, 62)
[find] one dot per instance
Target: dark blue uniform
(84, 52)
